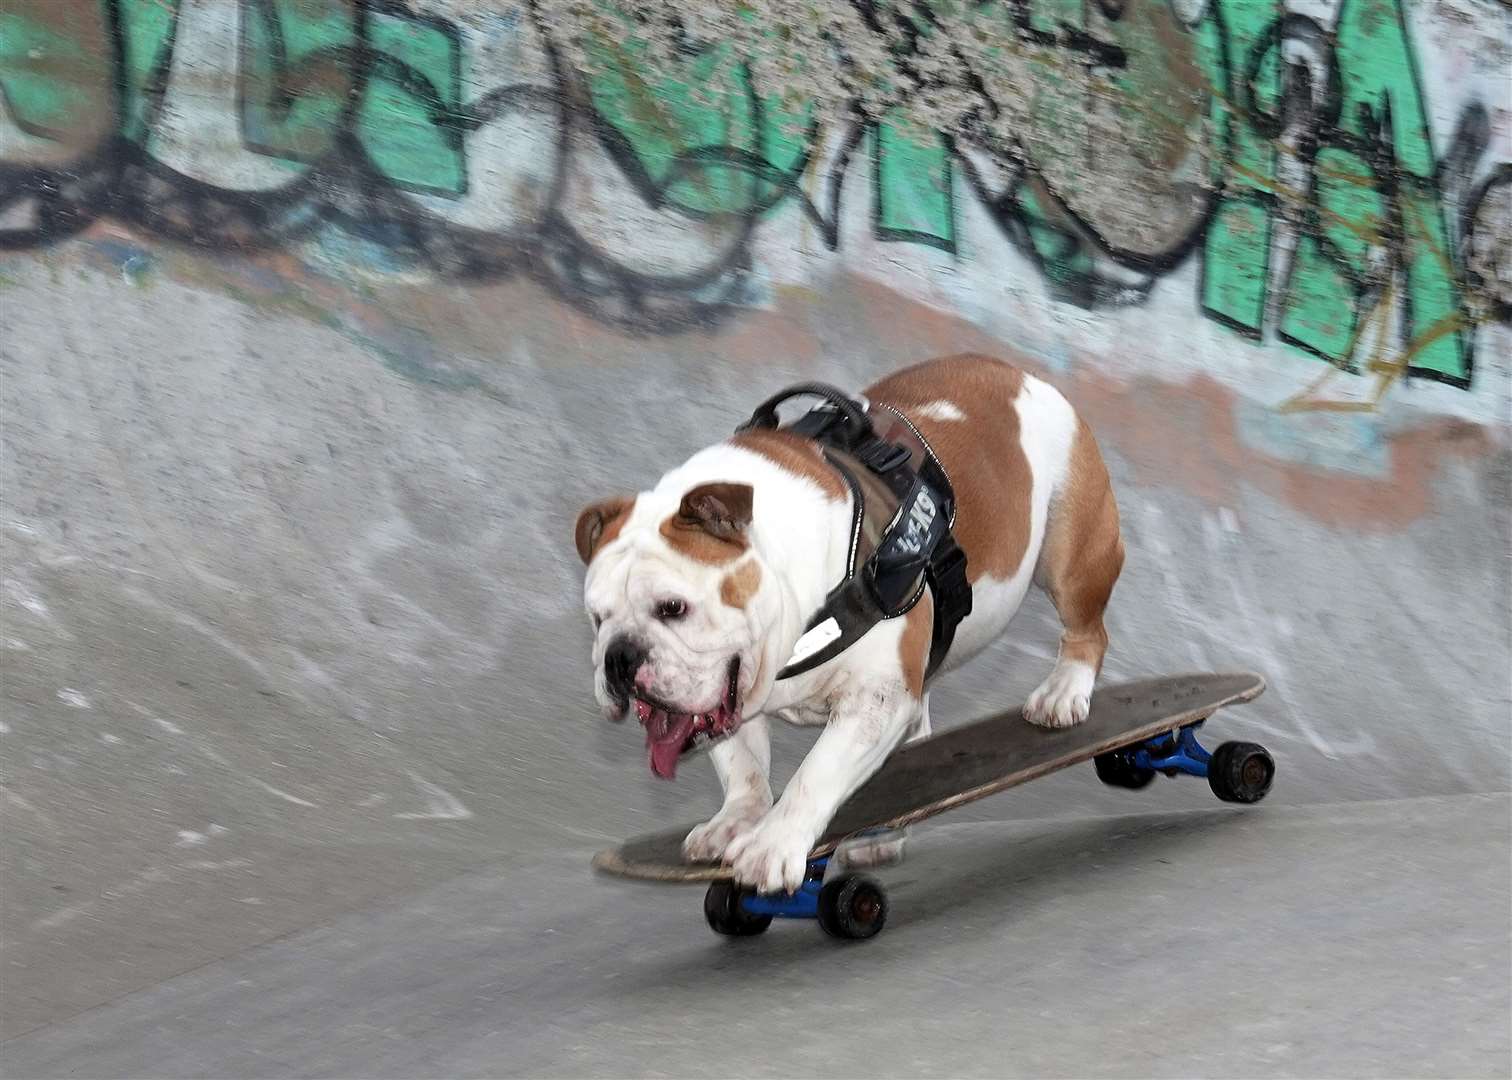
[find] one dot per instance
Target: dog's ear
(721, 510)
(600, 523)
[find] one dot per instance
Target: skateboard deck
(963, 764)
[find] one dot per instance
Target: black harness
(908, 538)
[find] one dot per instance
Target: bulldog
(699, 589)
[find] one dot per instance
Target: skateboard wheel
(852, 907)
(1241, 772)
(725, 915)
(1116, 770)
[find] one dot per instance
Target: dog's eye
(667, 610)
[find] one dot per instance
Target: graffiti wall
(1325, 180)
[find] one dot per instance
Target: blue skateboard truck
(854, 906)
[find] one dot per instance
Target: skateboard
(1134, 730)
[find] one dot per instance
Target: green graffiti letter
(302, 60)
(296, 75)
(1391, 198)
(1236, 250)
(913, 188)
(705, 140)
(56, 71)
(414, 93)
(147, 31)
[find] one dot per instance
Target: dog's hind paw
(863, 852)
(1064, 699)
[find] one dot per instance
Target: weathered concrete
(291, 630)
(255, 682)
(1359, 940)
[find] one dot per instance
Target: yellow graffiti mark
(1387, 369)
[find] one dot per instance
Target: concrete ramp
(319, 323)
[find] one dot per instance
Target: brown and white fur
(717, 568)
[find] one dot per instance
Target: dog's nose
(622, 659)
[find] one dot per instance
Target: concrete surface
(1338, 940)
(301, 769)
(299, 765)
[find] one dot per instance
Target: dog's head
(678, 597)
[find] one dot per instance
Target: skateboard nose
(622, 659)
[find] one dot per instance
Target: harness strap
(952, 599)
(897, 475)
(852, 607)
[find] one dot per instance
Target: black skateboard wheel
(853, 907)
(725, 915)
(1116, 770)
(1241, 772)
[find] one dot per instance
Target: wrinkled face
(677, 606)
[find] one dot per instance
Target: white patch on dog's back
(939, 410)
(1047, 428)
(1048, 425)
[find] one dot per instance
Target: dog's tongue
(665, 738)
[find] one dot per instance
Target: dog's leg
(1078, 566)
(921, 726)
(864, 726)
(883, 848)
(743, 762)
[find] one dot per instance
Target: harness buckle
(881, 456)
(952, 592)
(952, 560)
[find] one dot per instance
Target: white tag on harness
(814, 640)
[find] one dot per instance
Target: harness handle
(857, 424)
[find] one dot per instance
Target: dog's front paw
(1064, 698)
(709, 841)
(771, 857)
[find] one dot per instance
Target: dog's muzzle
(670, 733)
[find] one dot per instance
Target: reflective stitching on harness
(930, 451)
(858, 513)
(858, 518)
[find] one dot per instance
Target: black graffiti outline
(1500, 304)
(1376, 148)
(121, 180)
